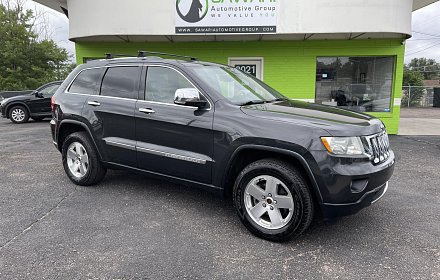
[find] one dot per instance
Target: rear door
(111, 113)
(172, 139)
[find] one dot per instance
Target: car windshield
(236, 86)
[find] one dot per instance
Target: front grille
(380, 147)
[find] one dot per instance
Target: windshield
(236, 86)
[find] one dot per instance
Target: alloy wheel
(77, 160)
(18, 114)
(268, 202)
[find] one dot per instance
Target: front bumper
(370, 197)
(3, 111)
(348, 185)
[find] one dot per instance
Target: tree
(26, 61)
(428, 67)
(414, 80)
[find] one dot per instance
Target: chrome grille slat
(380, 147)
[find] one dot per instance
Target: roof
(153, 59)
(418, 4)
(57, 5)
(155, 21)
(432, 83)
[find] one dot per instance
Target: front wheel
(18, 114)
(80, 160)
(273, 200)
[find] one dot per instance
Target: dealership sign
(226, 16)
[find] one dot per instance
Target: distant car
(35, 105)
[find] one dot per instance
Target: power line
(438, 43)
(423, 39)
(428, 21)
(433, 35)
(423, 45)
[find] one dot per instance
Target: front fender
(297, 153)
(16, 103)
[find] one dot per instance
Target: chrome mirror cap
(189, 97)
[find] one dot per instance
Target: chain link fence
(417, 96)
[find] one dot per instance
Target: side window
(86, 82)
(121, 82)
(162, 84)
(49, 90)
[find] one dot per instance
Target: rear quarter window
(86, 82)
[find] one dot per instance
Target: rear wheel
(18, 114)
(273, 200)
(80, 160)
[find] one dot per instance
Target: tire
(18, 114)
(273, 200)
(80, 160)
(37, 119)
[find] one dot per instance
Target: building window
(361, 84)
(252, 66)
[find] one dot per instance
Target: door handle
(146, 110)
(94, 103)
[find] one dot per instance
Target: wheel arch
(246, 154)
(17, 103)
(68, 127)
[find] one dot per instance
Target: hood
(22, 97)
(335, 121)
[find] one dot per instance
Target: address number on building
(250, 69)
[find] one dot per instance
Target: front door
(41, 104)
(172, 139)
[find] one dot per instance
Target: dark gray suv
(214, 127)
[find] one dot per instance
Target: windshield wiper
(279, 99)
(253, 102)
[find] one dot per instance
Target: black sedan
(35, 105)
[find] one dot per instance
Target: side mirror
(189, 97)
(38, 94)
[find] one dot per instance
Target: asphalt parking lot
(134, 227)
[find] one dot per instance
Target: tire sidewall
(244, 178)
(26, 114)
(69, 140)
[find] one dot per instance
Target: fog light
(358, 186)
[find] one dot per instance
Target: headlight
(344, 145)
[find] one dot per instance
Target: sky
(58, 25)
(425, 41)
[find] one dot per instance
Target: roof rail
(147, 53)
(113, 55)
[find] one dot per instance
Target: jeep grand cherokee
(215, 127)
